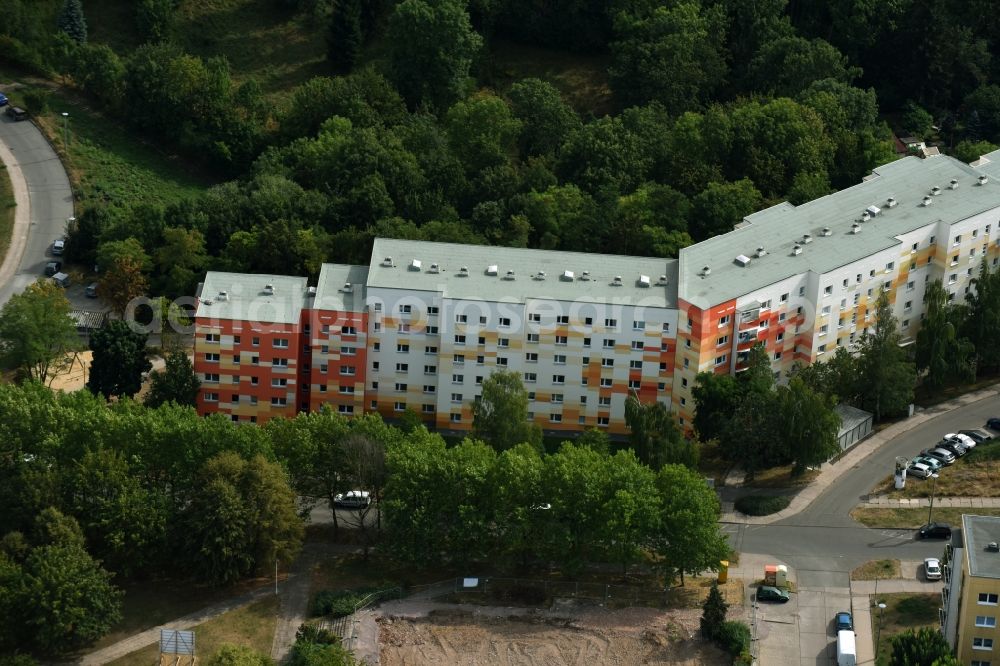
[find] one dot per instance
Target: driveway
(801, 632)
(49, 197)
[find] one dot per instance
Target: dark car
(954, 446)
(978, 434)
(3, 99)
(52, 268)
(935, 531)
(91, 290)
(769, 593)
(993, 423)
(844, 621)
(17, 113)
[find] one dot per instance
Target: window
(348, 330)
(982, 643)
(555, 418)
(558, 379)
(458, 379)
(637, 345)
(610, 323)
(987, 599)
(402, 367)
(480, 360)
(828, 289)
(602, 421)
(212, 337)
(279, 402)
(399, 406)
(719, 360)
(430, 350)
(345, 409)
(826, 309)
(236, 359)
(559, 359)
(588, 320)
(402, 349)
(378, 326)
(534, 316)
(212, 358)
(634, 383)
(427, 409)
(986, 621)
(908, 305)
(609, 343)
(482, 340)
(211, 397)
(430, 369)
(503, 342)
(479, 380)
(605, 382)
(375, 365)
(280, 343)
(347, 390)
(429, 388)
(455, 418)
(607, 362)
(505, 321)
(889, 266)
(531, 395)
(400, 387)
(562, 319)
(502, 361)
(978, 662)
(821, 349)
(405, 309)
(666, 328)
(255, 342)
(586, 360)
(482, 319)
(531, 357)
(635, 365)
(557, 398)
(725, 319)
(913, 248)
(348, 351)
(952, 278)
(279, 382)
(459, 339)
(403, 328)
(459, 359)
(604, 401)
(638, 326)
(583, 400)
(530, 377)
(586, 343)
(532, 337)
(561, 339)
(279, 362)
(376, 346)
(456, 397)
(958, 240)
(461, 319)
(432, 309)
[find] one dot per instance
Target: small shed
(855, 425)
(88, 320)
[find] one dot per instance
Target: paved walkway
(830, 472)
(881, 501)
(294, 601)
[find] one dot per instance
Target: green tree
(808, 424)
(119, 360)
(155, 19)
(983, 320)
(787, 66)
(121, 283)
(180, 261)
(305, 653)
(918, 647)
(887, 378)
(431, 50)
(177, 382)
(916, 120)
(500, 416)
(688, 539)
(520, 501)
(72, 21)
(970, 151)
(720, 206)
(575, 479)
(238, 655)
(546, 120)
(716, 396)
(36, 332)
(594, 439)
(655, 437)
(344, 36)
(940, 352)
(836, 377)
(100, 72)
(628, 514)
(482, 131)
(713, 613)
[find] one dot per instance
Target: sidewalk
(830, 472)
(862, 605)
(881, 501)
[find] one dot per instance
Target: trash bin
(723, 571)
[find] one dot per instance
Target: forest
(718, 108)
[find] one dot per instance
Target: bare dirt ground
(566, 636)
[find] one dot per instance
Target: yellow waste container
(723, 571)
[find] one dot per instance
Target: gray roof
(779, 228)
(526, 264)
(977, 531)
(89, 320)
(246, 298)
(330, 294)
(851, 417)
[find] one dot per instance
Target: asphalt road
(50, 197)
(823, 543)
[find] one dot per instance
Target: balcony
(749, 318)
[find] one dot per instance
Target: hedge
(762, 505)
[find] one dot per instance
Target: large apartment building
(971, 595)
(425, 323)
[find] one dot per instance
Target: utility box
(723, 571)
(770, 574)
(781, 576)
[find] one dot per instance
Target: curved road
(43, 181)
(823, 543)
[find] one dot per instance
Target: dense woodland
(721, 107)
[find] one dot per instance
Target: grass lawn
(975, 475)
(914, 518)
(252, 626)
(876, 570)
(781, 477)
(7, 208)
(903, 611)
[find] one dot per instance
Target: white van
(847, 653)
(353, 499)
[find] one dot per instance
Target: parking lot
(801, 632)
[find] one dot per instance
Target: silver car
(932, 568)
(964, 440)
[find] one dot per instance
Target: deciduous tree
(808, 424)
(887, 378)
(177, 382)
(500, 416)
(940, 351)
(687, 537)
(119, 360)
(121, 283)
(36, 332)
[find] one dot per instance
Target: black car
(993, 423)
(935, 531)
(17, 113)
(52, 268)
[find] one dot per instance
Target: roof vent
(797, 249)
(873, 210)
(983, 180)
(492, 269)
(826, 231)
(993, 547)
(347, 288)
(616, 281)
(269, 289)
(855, 228)
(761, 251)
(662, 281)
(935, 190)
(387, 262)
(928, 201)
(463, 271)
(415, 265)
(585, 275)
(433, 269)
(223, 295)
(865, 216)
(509, 275)
(540, 275)
(311, 291)
(891, 202)
(567, 276)
(954, 184)
(706, 271)
(643, 280)
(743, 260)
(807, 238)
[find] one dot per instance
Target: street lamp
(878, 634)
(930, 511)
(65, 115)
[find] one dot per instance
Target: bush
(733, 637)
(762, 505)
(339, 603)
(36, 100)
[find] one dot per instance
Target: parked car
(52, 268)
(17, 113)
(62, 279)
(91, 290)
(993, 423)
(966, 441)
(935, 531)
(932, 568)
(919, 470)
(933, 463)
(353, 499)
(953, 445)
(844, 621)
(769, 593)
(944, 455)
(3, 99)
(58, 245)
(977, 434)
